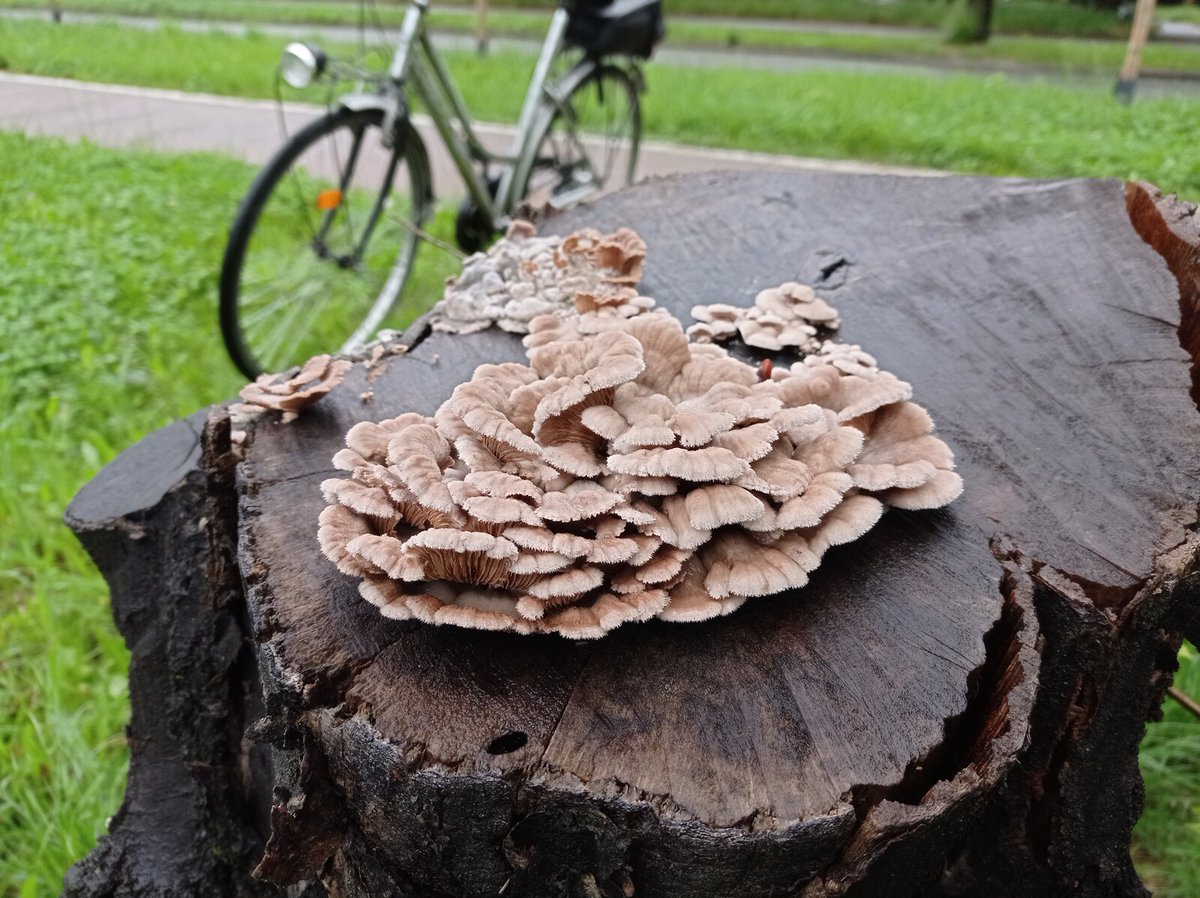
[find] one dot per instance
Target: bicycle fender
(362, 102)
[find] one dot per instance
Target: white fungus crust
(626, 472)
(524, 276)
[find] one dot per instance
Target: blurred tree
(969, 22)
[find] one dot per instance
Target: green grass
(94, 319)
(107, 331)
(1168, 835)
(1044, 17)
(1058, 55)
(1011, 46)
(1177, 13)
(1011, 16)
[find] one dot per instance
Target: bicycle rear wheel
(589, 144)
(323, 242)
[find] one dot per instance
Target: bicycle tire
(281, 262)
(606, 96)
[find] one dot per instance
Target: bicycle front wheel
(323, 242)
(589, 144)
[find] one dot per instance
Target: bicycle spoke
(249, 320)
(345, 176)
(293, 274)
(395, 283)
(302, 203)
(284, 327)
(314, 303)
(284, 296)
(590, 145)
(266, 319)
(315, 259)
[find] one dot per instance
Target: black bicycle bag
(608, 27)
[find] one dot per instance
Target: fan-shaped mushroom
(287, 393)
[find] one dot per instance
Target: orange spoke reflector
(329, 199)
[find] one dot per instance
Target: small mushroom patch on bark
(287, 393)
(625, 473)
(789, 316)
(524, 276)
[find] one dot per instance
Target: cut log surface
(952, 706)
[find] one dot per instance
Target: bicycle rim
(322, 247)
(591, 143)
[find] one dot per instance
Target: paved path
(1178, 31)
(119, 116)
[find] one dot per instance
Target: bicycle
(323, 243)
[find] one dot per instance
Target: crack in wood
(1170, 227)
(971, 741)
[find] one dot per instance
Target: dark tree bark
(952, 707)
(159, 522)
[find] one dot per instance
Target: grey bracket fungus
(626, 472)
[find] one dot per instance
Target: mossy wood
(953, 706)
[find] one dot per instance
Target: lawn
(107, 286)
(88, 313)
(1055, 55)
(107, 331)
(1044, 17)
(1033, 46)
(1167, 838)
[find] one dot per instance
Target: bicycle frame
(549, 139)
(416, 62)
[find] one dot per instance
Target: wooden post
(482, 38)
(952, 706)
(970, 22)
(1143, 19)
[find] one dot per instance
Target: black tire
(322, 244)
(590, 144)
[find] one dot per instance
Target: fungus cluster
(626, 472)
(783, 317)
(524, 276)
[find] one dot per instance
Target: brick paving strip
(167, 120)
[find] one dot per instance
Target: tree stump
(952, 707)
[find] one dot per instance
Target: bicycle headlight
(301, 64)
